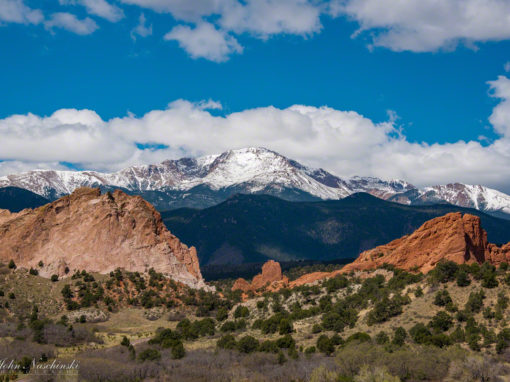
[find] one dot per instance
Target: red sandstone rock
(271, 278)
(98, 233)
(451, 237)
(242, 284)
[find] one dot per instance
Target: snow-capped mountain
(205, 181)
(463, 195)
(201, 181)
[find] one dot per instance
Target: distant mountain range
(254, 228)
(206, 181)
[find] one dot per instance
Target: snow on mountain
(252, 168)
(472, 196)
(174, 183)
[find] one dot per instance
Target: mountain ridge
(255, 228)
(205, 181)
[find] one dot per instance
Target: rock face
(451, 237)
(271, 278)
(87, 230)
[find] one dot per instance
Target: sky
(416, 89)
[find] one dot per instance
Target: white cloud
(428, 25)
(141, 29)
(216, 21)
(205, 41)
(100, 8)
(15, 11)
(71, 23)
(13, 167)
(507, 66)
(186, 10)
(269, 17)
(399, 25)
(343, 142)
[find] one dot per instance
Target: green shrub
(221, 314)
(285, 327)
(440, 340)
(399, 337)
(125, 341)
(54, 278)
(444, 271)
(458, 335)
(325, 345)
(149, 355)
(286, 342)
(269, 347)
(310, 350)
(241, 312)
(442, 298)
(420, 334)
(178, 351)
(247, 344)
(386, 308)
(335, 283)
(462, 278)
(475, 301)
(382, 338)
(359, 337)
(12, 265)
(473, 341)
(441, 322)
(227, 342)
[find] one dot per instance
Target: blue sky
(124, 59)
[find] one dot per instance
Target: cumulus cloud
(268, 17)
(71, 23)
(427, 25)
(141, 30)
(15, 11)
(411, 25)
(205, 41)
(185, 10)
(343, 142)
(100, 8)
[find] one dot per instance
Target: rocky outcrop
(271, 278)
(98, 233)
(455, 237)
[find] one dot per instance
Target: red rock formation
(87, 230)
(310, 278)
(271, 278)
(450, 237)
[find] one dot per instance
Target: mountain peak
(207, 180)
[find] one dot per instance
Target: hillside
(253, 228)
(16, 199)
(449, 325)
